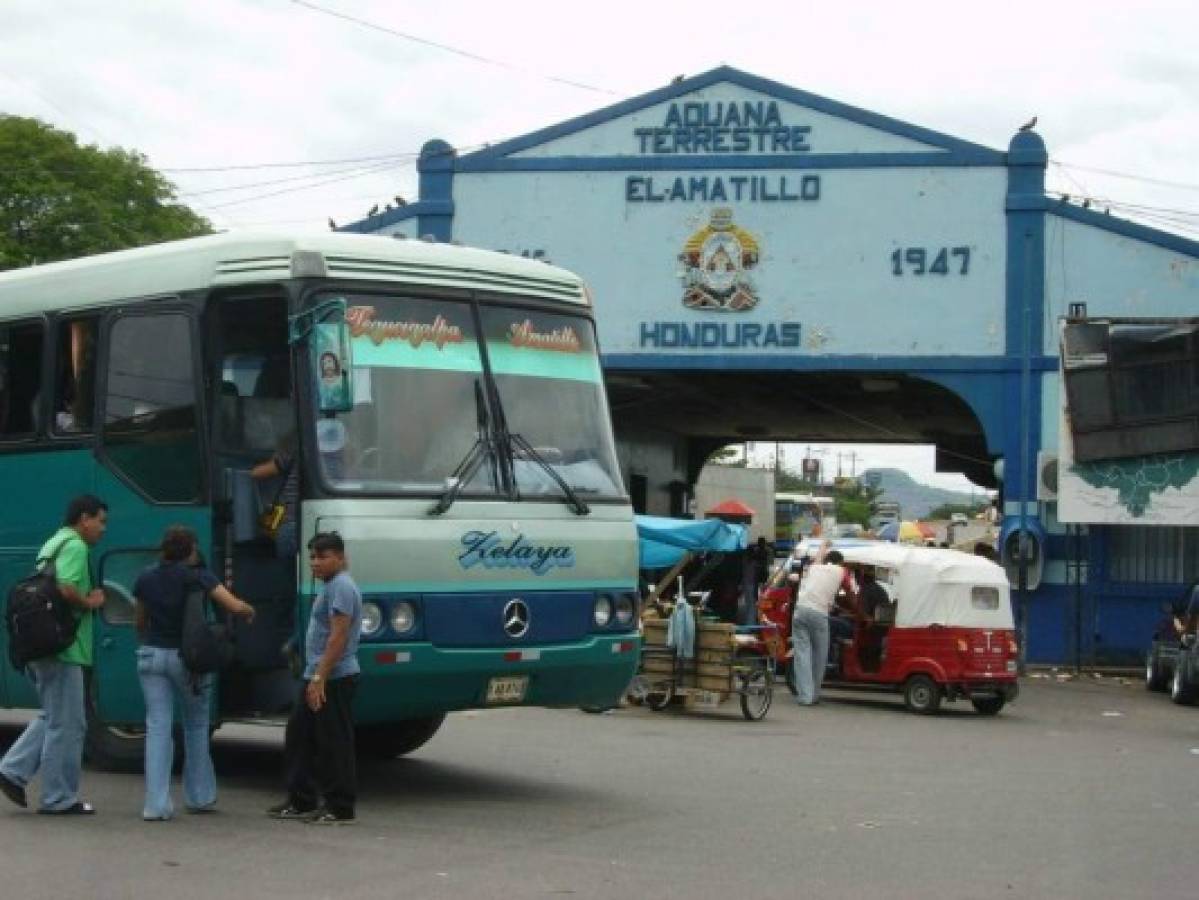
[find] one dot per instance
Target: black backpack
(206, 646)
(39, 619)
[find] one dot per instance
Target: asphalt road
(1083, 789)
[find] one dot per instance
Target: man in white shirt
(810, 626)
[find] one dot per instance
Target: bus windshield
(418, 379)
(548, 378)
(416, 364)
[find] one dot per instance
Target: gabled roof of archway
(933, 141)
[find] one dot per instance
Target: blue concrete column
(1024, 334)
(436, 168)
(1024, 342)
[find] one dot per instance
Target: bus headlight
(625, 609)
(603, 610)
(372, 618)
(403, 617)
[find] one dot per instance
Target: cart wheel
(922, 695)
(756, 694)
(659, 697)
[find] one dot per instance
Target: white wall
(1113, 275)
(825, 264)
(753, 487)
(828, 134)
(405, 227)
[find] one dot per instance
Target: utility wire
(202, 170)
(359, 174)
(1164, 210)
(289, 165)
(1128, 175)
(290, 179)
(1141, 208)
(882, 429)
(393, 163)
(466, 54)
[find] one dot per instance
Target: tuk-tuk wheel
(989, 706)
(922, 695)
(659, 698)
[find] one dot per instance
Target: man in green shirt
(53, 742)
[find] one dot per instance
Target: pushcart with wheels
(727, 662)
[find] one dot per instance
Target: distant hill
(915, 500)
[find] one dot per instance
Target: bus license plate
(508, 689)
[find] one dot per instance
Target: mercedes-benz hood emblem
(516, 618)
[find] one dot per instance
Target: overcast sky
(228, 83)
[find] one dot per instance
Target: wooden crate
(658, 665)
(653, 631)
(714, 635)
(708, 635)
(708, 683)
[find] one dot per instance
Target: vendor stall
(691, 648)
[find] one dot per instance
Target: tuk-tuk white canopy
(938, 587)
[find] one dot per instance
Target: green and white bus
(448, 417)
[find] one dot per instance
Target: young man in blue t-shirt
(319, 750)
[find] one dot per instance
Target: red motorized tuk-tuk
(944, 632)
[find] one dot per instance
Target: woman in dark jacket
(161, 592)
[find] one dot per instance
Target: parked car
(1163, 649)
(1184, 681)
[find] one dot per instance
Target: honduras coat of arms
(716, 262)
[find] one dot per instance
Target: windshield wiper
(512, 442)
(483, 448)
(573, 500)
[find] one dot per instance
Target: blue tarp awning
(663, 542)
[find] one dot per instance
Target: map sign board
(1127, 446)
(1159, 489)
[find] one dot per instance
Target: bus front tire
(396, 738)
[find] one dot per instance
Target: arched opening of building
(669, 424)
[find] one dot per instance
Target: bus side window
(75, 376)
(151, 430)
(20, 380)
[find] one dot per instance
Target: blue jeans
(165, 680)
(810, 635)
(53, 742)
(287, 540)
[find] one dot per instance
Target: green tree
(59, 200)
(732, 455)
(852, 510)
(788, 482)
